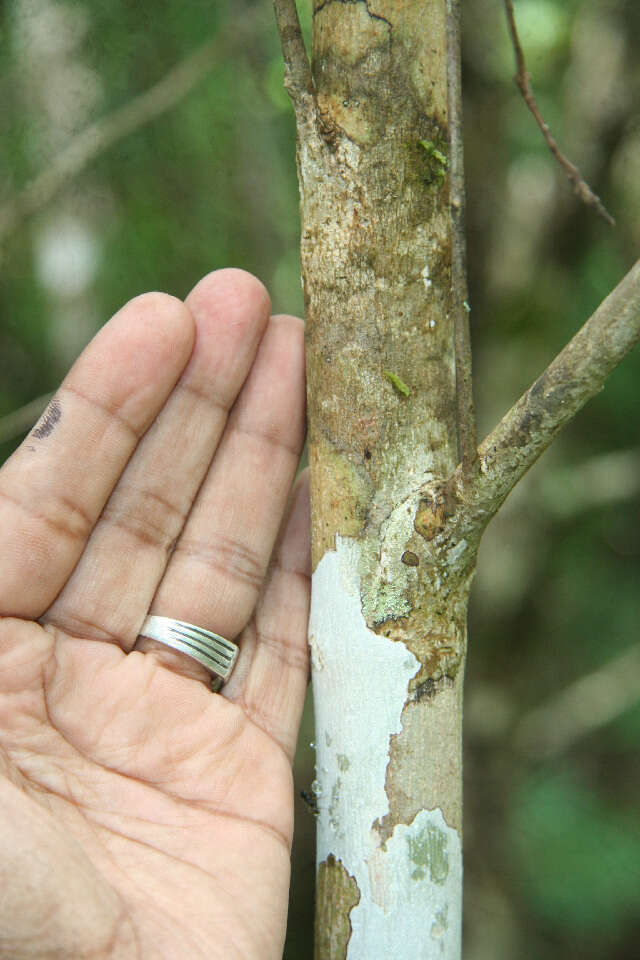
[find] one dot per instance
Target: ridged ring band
(211, 650)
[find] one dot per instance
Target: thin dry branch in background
(605, 479)
(523, 80)
(19, 421)
(585, 706)
(557, 724)
(104, 133)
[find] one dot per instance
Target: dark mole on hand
(49, 418)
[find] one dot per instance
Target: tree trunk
(388, 622)
(396, 521)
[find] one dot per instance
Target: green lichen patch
(428, 850)
(436, 162)
(436, 155)
(389, 601)
(440, 925)
(334, 819)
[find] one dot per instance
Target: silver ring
(212, 651)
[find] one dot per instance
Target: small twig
(587, 705)
(571, 379)
(297, 70)
(523, 80)
(103, 134)
(467, 440)
(19, 421)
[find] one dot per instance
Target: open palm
(142, 815)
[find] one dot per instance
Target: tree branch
(297, 70)
(467, 440)
(585, 706)
(104, 133)
(576, 375)
(523, 80)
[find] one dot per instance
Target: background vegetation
(553, 796)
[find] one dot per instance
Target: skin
(141, 815)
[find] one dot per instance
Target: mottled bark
(377, 241)
(395, 521)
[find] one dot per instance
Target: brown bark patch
(436, 507)
(440, 650)
(337, 894)
(349, 34)
(430, 519)
(410, 559)
(425, 760)
(339, 491)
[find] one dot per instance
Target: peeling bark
(376, 250)
(395, 523)
(388, 771)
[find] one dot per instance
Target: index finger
(53, 488)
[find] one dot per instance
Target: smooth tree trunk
(396, 521)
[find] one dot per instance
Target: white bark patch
(426, 278)
(415, 884)
(360, 691)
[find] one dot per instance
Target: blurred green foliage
(578, 856)
(553, 850)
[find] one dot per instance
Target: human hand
(141, 815)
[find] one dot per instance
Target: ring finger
(219, 563)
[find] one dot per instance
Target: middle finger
(114, 582)
(217, 569)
